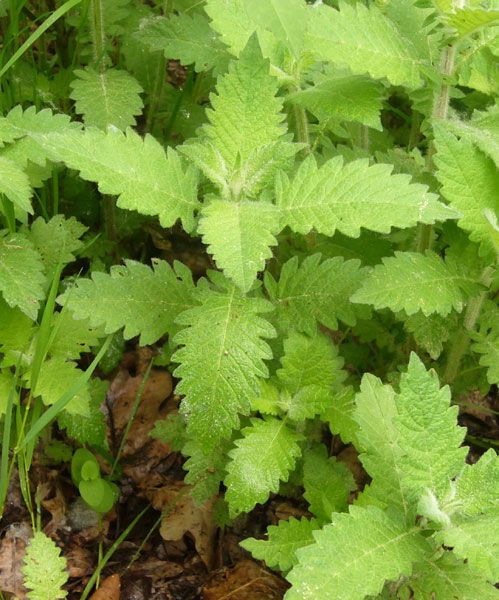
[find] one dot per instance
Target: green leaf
(14, 183)
(53, 238)
(470, 182)
(245, 114)
(89, 429)
(486, 343)
(21, 273)
(429, 331)
(189, 39)
(348, 197)
(429, 436)
(72, 337)
(355, 556)
(467, 21)
(333, 98)
(475, 539)
(284, 539)
(410, 281)
(221, 360)
(286, 19)
(448, 579)
(340, 415)
(327, 483)
(56, 377)
(6, 381)
(136, 169)
(379, 440)
(310, 361)
(110, 97)
(16, 329)
(145, 301)
(263, 457)
(239, 235)
(368, 41)
(477, 487)
(315, 291)
(44, 570)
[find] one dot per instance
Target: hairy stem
(98, 33)
(462, 339)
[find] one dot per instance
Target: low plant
(339, 162)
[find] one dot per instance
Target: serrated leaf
(333, 98)
(245, 114)
(486, 343)
(72, 337)
(53, 238)
(448, 579)
(467, 21)
(14, 183)
(55, 378)
(470, 182)
(315, 291)
(284, 539)
(44, 570)
(429, 436)
(337, 197)
(367, 41)
(477, 487)
(145, 301)
(368, 548)
(89, 429)
(135, 169)
(429, 331)
(310, 361)
(187, 38)
(111, 97)
(411, 281)
(21, 273)
(221, 360)
(327, 483)
(379, 439)
(239, 235)
(476, 539)
(16, 329)
(263, 457)
(231, 20)
(340, 415)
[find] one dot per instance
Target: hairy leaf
(72, 337)
(44, 570)
(477, 487)
(467, 21)
(239, 235)
(429, 331)
(221, 361)
(410, 281)
(136, 169)
(315, 291)
(353, 557)
(348, 197)
(110, 97)
(284, 539)
(263, 457)
(145, 301)
(340, 415)
(14, 183)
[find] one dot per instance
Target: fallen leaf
(109, 589)
(80, 561)
(12, 552)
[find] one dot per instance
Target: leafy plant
(339, 163)
(97, 492)
(44, 569)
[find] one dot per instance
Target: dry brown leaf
(109, 589)
(12, 552)
(80, 561)
(245, 581)
(57, 507)
(185, 517)
(157, 569)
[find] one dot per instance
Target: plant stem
(462, 339)
(98, 33)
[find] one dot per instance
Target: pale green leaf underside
(221, 361)
(189, 39)
(262, 458)
(315, 291)
(21, 274)
(135, 169)
(284, 539)
(477, 540)
(348, 197)
(470, 182)
(410, 281)
(352, 98)
(145, 301)
(239, 235)
(448, 579)
(367, 41)
(108, 98)
(477, 487)
(14, 183)
(44, 570)
(378, 438)
(430, 439)
(354, 557)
